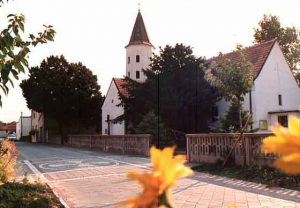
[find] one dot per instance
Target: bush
(263, 175)
(27, 195)
(152, 124)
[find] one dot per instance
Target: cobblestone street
(93, 179)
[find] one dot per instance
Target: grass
(262, 175)
(25, 195)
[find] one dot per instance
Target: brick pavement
(106, 186)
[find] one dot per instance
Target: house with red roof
(138, 53)
(275, 95)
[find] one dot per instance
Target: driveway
(83, 178)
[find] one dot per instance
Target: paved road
(85, 178)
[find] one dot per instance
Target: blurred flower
(285, 143)
(166, 170)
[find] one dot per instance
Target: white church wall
(145, 52)
(109, 108)
(274, 79)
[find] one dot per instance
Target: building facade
(138, 53)
(23, 126)
(275, 95)
(38, 127)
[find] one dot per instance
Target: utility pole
(21, 124)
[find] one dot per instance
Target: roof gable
(139, 33)
(256, 54)
(120, 86)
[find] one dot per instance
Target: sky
(95, 32)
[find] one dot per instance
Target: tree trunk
(240, 115)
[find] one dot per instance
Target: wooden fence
(125, 144)
(209, 148)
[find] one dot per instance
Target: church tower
(138, 51)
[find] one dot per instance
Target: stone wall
(209, 148)
(125, 144)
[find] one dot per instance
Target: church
(138, 53)
(274, 97)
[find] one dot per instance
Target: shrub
(26, 195)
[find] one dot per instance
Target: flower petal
(289, 164)
(294, 126)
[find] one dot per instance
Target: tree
(14, 49)
(233, 79)
(288, 38)
(68, 92)
(230, 121)
(152, 124)
(175, 89)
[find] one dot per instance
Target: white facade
(274, 80)
(138, 54)
(110, 111)
(23, 127)
(38, 124)
(138, 58)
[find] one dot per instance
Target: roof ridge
(248, 47)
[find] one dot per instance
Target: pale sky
(95, 32)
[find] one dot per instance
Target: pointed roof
(256, 54)
(120, 86)
(139, 33)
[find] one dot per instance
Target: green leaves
(14, 50)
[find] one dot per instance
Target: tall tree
(14, 49)
(288, 38)
(233, 79)
(175, 88)
(68, 92)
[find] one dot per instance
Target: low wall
(125, 144)
(54, 139)
(209, 148)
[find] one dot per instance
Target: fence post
(187, 149)
(90, 141)
(247, 149)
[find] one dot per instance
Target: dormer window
(137, 74)
(137, 58)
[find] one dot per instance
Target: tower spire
(139, 7)
(139, 33)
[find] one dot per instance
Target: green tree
(233, 79)
(14, 49)
(288, 38)
(152, 124)
(68, 92)
(230, 121)
(175, 88)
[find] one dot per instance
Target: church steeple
(138, 51)
(139, 33)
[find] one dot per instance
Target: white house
(138, 53)
(275, 95)
(23, 126)
(38, 124)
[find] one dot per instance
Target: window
(280, 99)
(283, 120)
(128, 74)
(137, 74)
(112, 101)
(128, 59)
(137, 58)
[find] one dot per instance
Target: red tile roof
(120, 85)
(256, 54)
